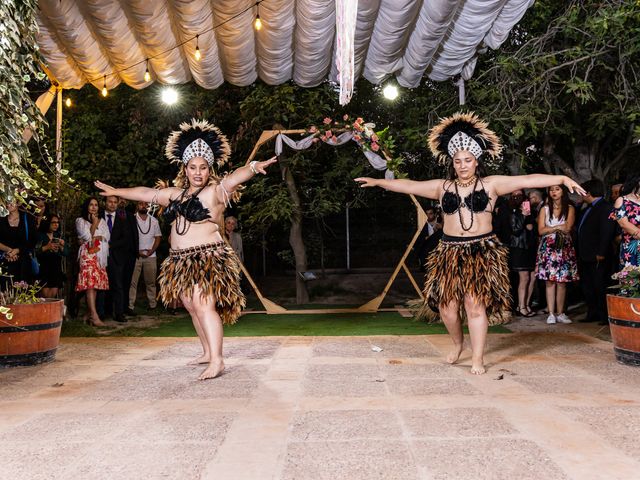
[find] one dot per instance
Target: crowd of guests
(116, 247)
(555, 243)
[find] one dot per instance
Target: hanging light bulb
(105, 92)
(257, 23)
(147, 75)
(197, 55)
(67, 102)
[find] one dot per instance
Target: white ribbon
(346, 16)
(375, 160)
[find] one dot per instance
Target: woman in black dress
(52, 250)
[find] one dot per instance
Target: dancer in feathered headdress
(202, 270)
(467, 273)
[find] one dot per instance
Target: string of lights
(197, 53)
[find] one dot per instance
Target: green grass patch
(347, 324)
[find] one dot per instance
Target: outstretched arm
(242, 174)
(506, 184)
(140, 194)
(428, 189)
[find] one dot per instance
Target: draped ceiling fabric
(83, 40)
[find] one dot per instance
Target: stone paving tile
(412, 347)
(255, 349)
(355, 460)
(560, 385)
(609, 370)
(425, 370)
(66, 427)
(430, 386)
(349, 380)
(456, 422)
(490, 459)
(239, 381)
(35, 461)
(124, 461)
(548, 344)
(543, 367)
(344, 425)
(140, 383)
(619, 425)
(343, 347)
(209, 427)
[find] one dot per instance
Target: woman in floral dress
(556, 262)
(93, 237)
(626, 212)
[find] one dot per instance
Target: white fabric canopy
(83, 40)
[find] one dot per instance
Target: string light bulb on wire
(147, 75)
(105, 92)
(257, 23)
(197, 55)
(67, 102)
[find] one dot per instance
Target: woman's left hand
(107, 190)
(573, 186)
(261, 166)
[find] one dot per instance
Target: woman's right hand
(367, 182)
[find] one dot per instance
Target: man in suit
(120, 247)
(595, 233)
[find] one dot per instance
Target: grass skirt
(214, 267)
(468, 265)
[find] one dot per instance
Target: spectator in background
(536, 201)
(556, 262)
(149, 237)
(51, 249)
(522, 253)
(595, 233)
(120, 239)
(627, 213)
(93, 238)
(17, 241)
(126, 211)
(615, 191)
(235, 240)
(429, 236)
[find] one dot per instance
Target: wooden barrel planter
(624, 322)
(32, 335)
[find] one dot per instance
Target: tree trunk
(554, 163)
(585, 165)
(295, 237)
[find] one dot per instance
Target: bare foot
(212, 371)
(454, 354)
(477, 367)
(200, 360)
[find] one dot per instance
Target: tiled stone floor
(552, 406)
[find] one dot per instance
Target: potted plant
(624, 315)
(29, 326)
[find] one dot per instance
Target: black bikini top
(190, 209)
(476, 201)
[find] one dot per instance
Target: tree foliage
(19, 58)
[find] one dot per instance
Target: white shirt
(83, 228)
(152, 228)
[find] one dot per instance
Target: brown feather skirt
(468, 265)
(214, 268)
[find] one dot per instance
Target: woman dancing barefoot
(201, 270)
(469, 268)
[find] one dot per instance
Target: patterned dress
(630, 210)
(556, 260)
(92, 256)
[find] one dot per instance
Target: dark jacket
(124, 240)
(596, 232)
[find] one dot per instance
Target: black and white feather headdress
(464, 131)
(198, 139)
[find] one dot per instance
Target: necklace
(186, 224)
(13, 221)
(468, 183)
(463, 204)
(140, 229)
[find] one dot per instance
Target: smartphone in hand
(526, 208)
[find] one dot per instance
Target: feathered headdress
(198, 139)
(464, 131)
